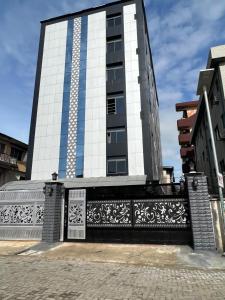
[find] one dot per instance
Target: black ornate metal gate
(151, 220)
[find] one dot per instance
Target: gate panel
(152, 220)
(116, 213)
(161, 213)
(76, 228)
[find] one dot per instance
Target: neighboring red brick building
(184, 126)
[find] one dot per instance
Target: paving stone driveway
(35, 277)
(107, 271)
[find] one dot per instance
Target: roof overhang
(216, 56)
(205, 79)
(188, 105)
(78, 182)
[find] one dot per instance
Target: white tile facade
(48, 124)
(222, 72)
(133, 97)
(95, 113)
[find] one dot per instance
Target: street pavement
(107, 271)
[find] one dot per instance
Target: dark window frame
(112, 73)
(16, 153)
(114, 42)
(114, 21)
(217, 133)
(222, 166)
(117, 161)
(2, 147)
(113, 135)
(112, 109)
(223, 119)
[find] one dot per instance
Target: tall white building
(95, 107)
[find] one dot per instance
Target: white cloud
(181, 34)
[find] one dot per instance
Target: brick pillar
(52, 212)
(200, 212)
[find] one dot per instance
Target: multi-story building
(184, 126)
(95, 107)
(13, 155)
(168, 175)
(200, 134)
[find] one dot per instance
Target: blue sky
(181, 34)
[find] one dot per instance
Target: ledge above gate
(78, 182)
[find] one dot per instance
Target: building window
(116, 166)
(116, 135)
(210, 144)
(114, 45)
(217, 133)
(223, 119)
(114, 21)
(16, 153)
(222, 166)
(115, 73)
(2, 148)
(203, 156)
(217, 85)
(115, 105)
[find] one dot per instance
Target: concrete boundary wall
(21, 215)
(200, 212)
(218, 224)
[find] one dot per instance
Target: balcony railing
(185, 123)
(8, 159)
(184, 138)
(187, 152)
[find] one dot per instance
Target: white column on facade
(95, 106)
(48, 124)
(133, 97)
(222, 72)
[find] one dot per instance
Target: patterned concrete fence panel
(21, 214)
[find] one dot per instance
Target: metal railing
(8, 159)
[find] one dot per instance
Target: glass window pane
(118, 45)
(110, 74)
(118, 20)
(111, 167)
(113, 137)
(110, 47)
(109, 140)
(121, 166)
(223, 119)
(2, 148)
(120, 105)
(120, 136)
(15, 153)
(110, 23)
(119, 73)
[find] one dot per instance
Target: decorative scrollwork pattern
(21, 214)
(39, 214)
(112, 214)
(16, 214)
(148, 213)
(76, 212)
